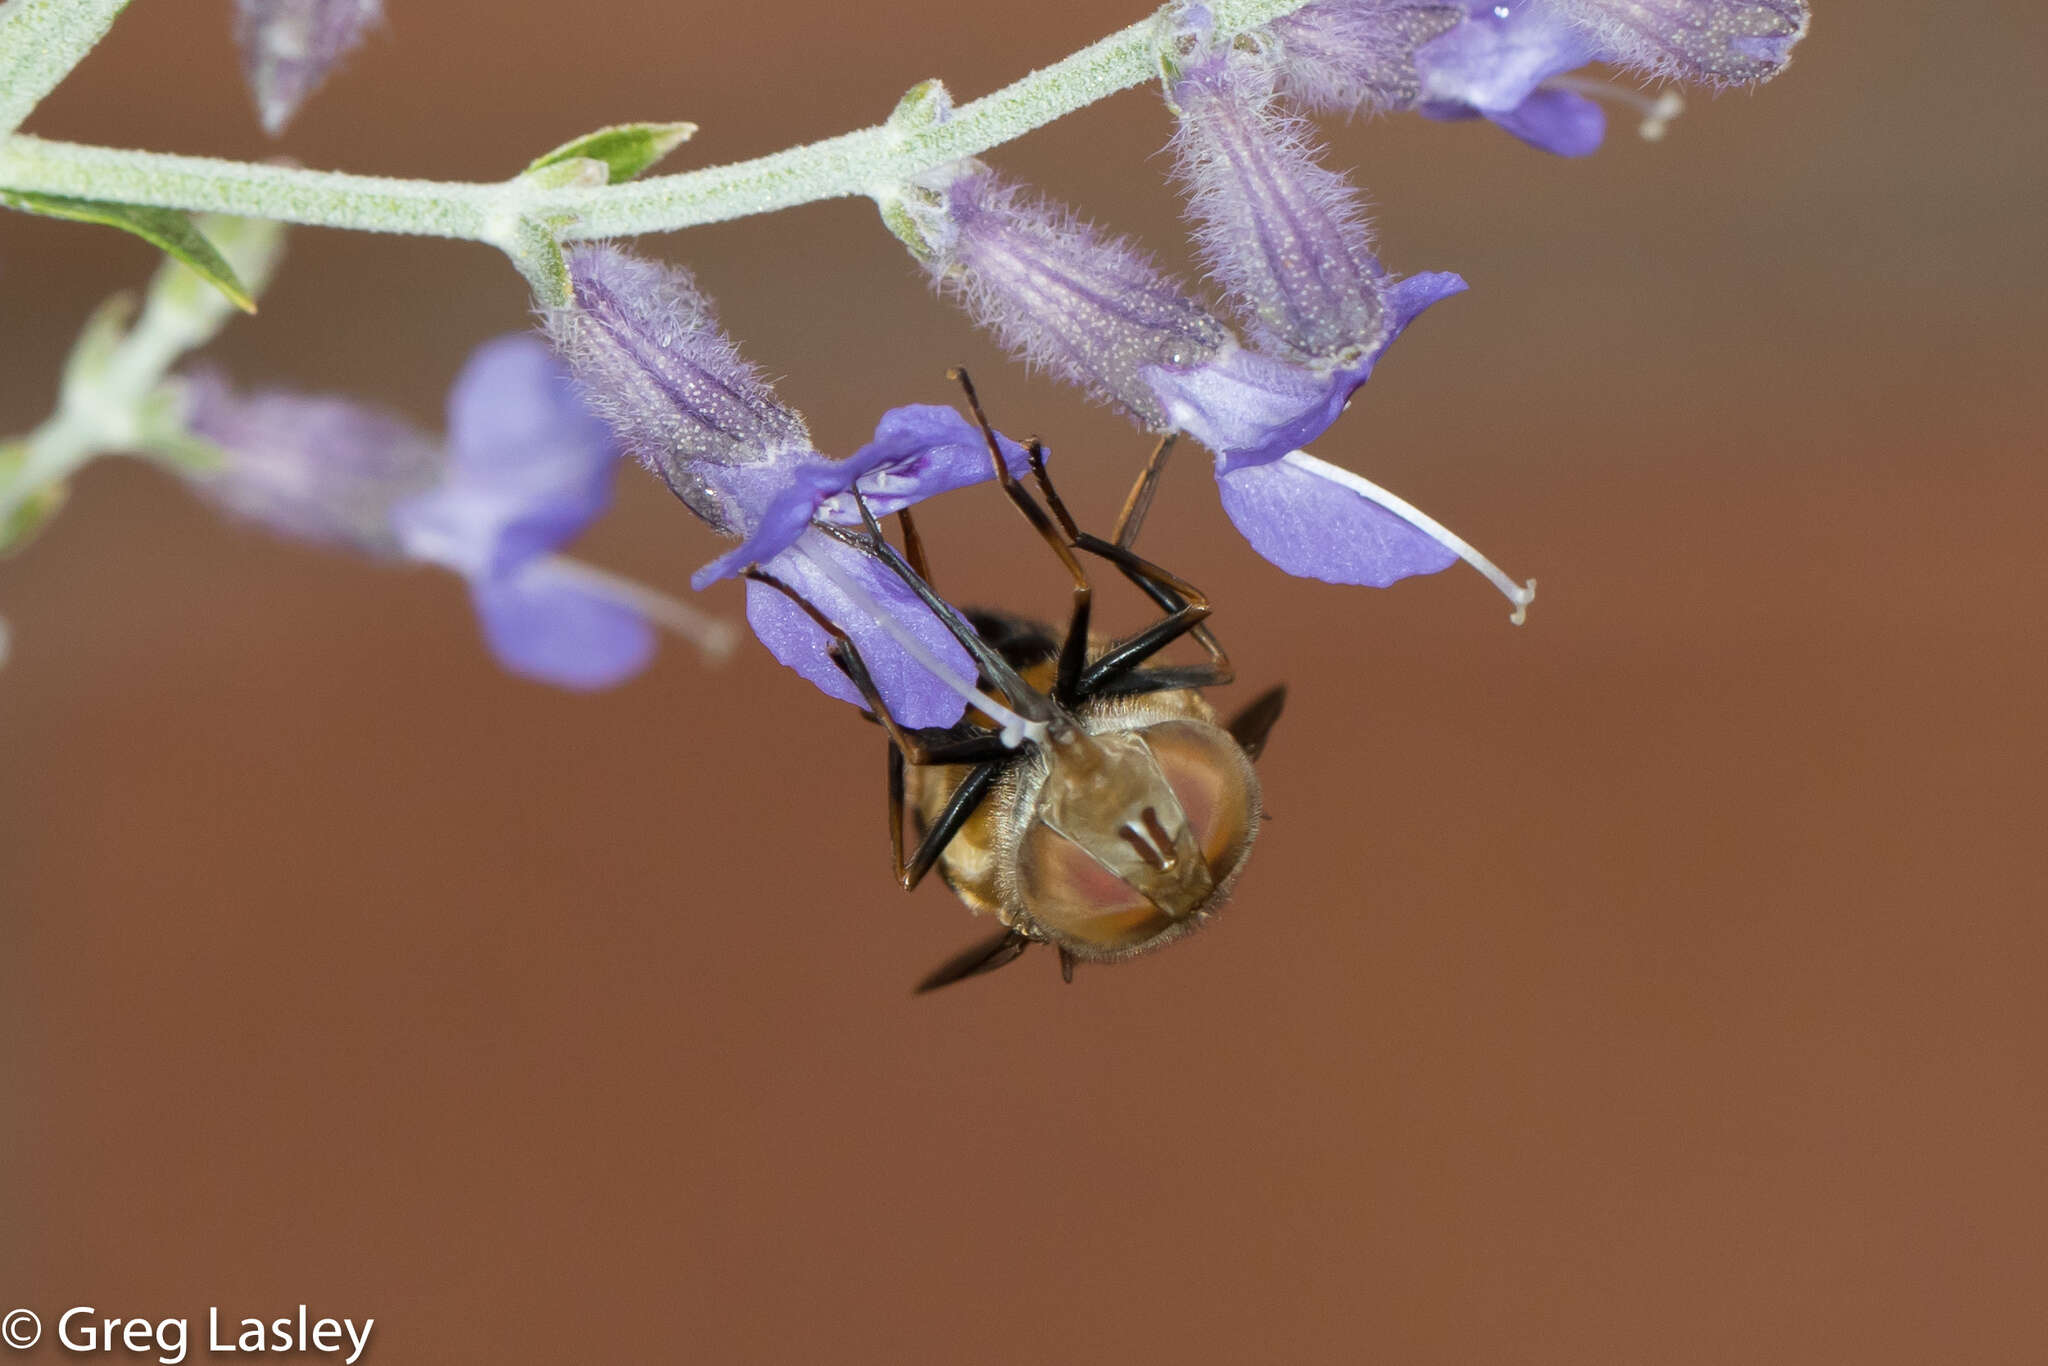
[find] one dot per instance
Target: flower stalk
(854, 163)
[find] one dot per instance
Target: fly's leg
(1138, 505)
(913, 546)
(1186, 607)
(1025, 699)
(922, 746)
(1074, 650)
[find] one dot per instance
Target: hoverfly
(1123, 823)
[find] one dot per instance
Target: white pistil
(714, 637)
(1657, 111)
(1015, 729)
(1521, 595)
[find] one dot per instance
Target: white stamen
(1015, 729)
(1520, 595)
(1658, 111)
(714, 637)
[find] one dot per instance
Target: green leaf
(167, 229)
(923, 105)
(578, 173)
(626, 149)
(251, 246)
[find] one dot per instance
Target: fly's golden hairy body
(1052, 885)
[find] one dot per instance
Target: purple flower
(1496, 65)
(320, 469)
(647, 351)
(289, 46)
(1286, 240)
(525, 467)
(1504, 60)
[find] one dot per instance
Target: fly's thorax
(1124, 831)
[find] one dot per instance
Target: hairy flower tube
(1508, 60)
(290, 46)
(1286, 240)
(525, 468)
(648, 353)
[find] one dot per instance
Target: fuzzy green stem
(855, 163)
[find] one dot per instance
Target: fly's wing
(1251, 727)
(985, 956)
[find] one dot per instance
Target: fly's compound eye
(1217, 787)
(1071, 893)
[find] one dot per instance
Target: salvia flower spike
(290, 46)
(524, 468)
(647, 351)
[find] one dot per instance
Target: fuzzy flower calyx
(645, 347)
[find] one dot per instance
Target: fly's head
(1138, 823)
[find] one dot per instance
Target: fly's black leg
(932, 745)
(896, 809)
(985, 956)
(921, 745)
(1053, 502)
(1074, 651)
(966, 799)
(1066, 965)
(1139, 504)
(1186, 607)
(1025, 699)
(913, 546)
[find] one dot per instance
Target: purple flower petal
(1559, 121)
(919, 450)
(529, 465)
(548, 628)
(915, 696)
(1317, 528)
(1250, 409)
(290, 46)
(1498, 57)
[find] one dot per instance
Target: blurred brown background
(1655, 983)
